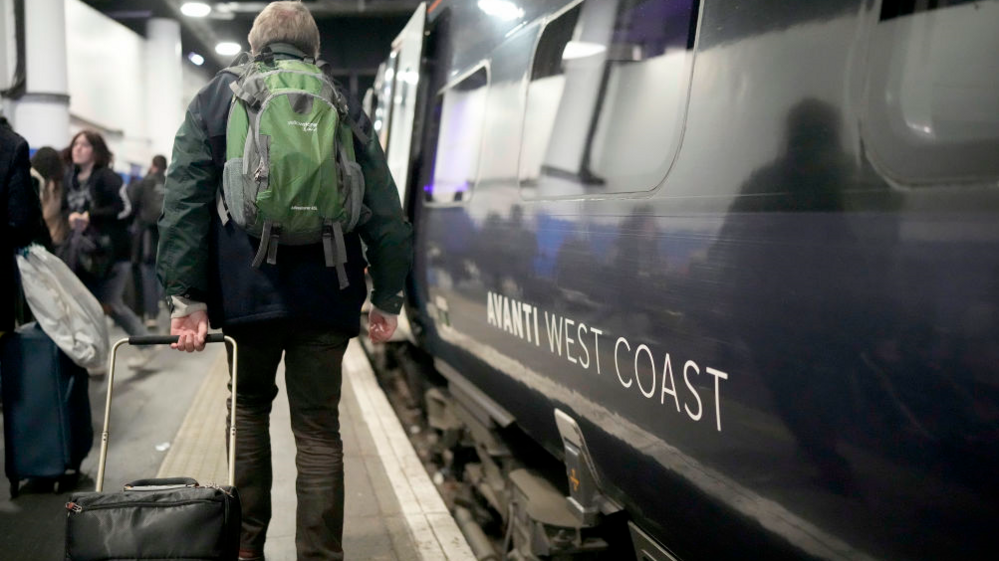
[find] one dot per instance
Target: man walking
(304, 301)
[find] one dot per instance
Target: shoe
(152, 324)
(142, 358)
(245, 555)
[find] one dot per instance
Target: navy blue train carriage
(732, 266)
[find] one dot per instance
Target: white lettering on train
(554, 333)
(618, 368)
(668, 369)
(570, 338)
(686, 379)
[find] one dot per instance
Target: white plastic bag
(63, 307)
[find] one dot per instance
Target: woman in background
(98, 209)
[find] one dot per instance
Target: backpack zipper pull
(74, 508)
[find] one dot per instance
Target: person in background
(20, 217)
(293, 307)
(146, 196)
(97, 211)
(47, 166)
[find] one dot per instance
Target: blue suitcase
(46, 409)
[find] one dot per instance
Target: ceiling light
(501, 9)
(228, 49)
(195, 9)
(581, 49)
(197, 59)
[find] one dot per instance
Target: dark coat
(104, 197)
(146, 196)
(204, 260)
(21, 213)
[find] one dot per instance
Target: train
(731, 266)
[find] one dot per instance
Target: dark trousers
(110, 291)
(312, 374)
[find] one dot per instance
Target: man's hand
(192, 330)
(380, 326)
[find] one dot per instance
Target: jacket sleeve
(24, 212)
(192, 180)
(387, 234)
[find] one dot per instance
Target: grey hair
(285, 22)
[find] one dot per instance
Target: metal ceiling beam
(333, 8)
(203, 29)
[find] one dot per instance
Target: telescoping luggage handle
(167, 340)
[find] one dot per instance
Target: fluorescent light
(228, 49)
(581, 49)
(197, 59)
(501, 9)
(195, 9)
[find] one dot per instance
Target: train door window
(932, 108)
(456, 134)
(385, 85)
(607, 97)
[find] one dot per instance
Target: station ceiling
(356, 34)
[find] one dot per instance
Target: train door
(397, 99)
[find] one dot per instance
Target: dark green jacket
(203, 260)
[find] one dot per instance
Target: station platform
(169, 421)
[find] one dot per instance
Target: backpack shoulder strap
(356, 129)
(238, 65)
(233, 70)
(341, 100)
(246, 88)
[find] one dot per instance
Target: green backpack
(290, 173)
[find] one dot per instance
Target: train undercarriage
(512, 499)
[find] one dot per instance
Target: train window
(932, 111)
(607, 97)
(456, 134)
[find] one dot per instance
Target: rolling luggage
(156, 518)
(46, 409)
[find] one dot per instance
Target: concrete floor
(148, 408)
(169, 420)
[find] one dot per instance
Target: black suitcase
(46, 409)
(156, 518)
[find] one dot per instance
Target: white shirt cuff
(183, 307)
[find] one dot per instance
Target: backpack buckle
(329, 251)
(272, 245)
(270, 238)
(265, 56)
